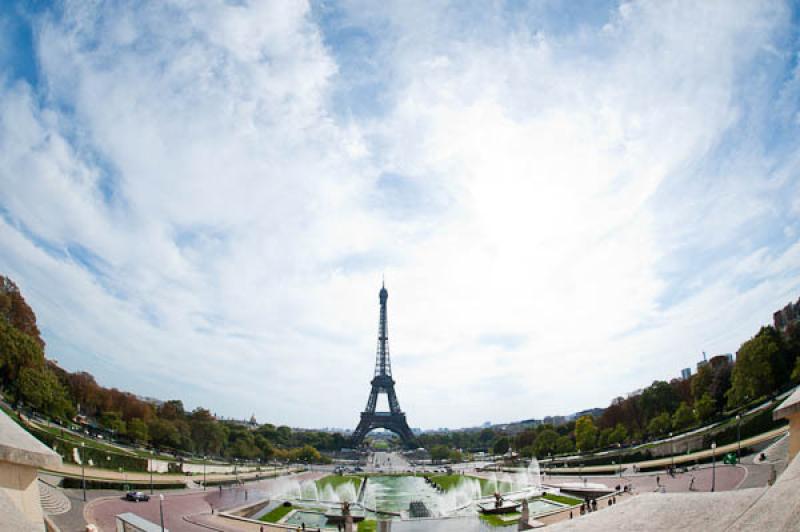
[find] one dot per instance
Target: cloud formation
(199, 200)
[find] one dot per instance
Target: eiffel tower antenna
(382, 382)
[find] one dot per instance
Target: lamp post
(713, 465)
(204, 473)
(83, 469)
(150, 466)
(738, 436)
(161, 509)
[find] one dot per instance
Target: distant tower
(382, 382)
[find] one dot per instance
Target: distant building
(788, 315)
(686, 373)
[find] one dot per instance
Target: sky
(567, 199)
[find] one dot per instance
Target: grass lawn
(337, 480)
(276, 514)
(563, 499)
(90, 442)
(368, 525)
(448, 482)
(501, 520)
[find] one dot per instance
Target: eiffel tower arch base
(379, 420)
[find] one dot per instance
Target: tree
(501, 446)
(683, 417)
(15, 311)
(40, 388)
(207, 434)
(486, 436)
(564, 445)
(658, 397)
(752, 374)
(163, 433)
(113, 422)
(585, 433)
(546, 442)
(439, 453)
(137, 430)
(618, 435)
(17, 351)
(704, 408)
(659, 424)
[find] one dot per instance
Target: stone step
(53, 500)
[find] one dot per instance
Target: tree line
(765, 365)
(28, 378)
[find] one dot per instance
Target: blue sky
(568, 200)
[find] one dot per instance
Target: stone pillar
(790, 409)
(525, 518)
(21, 456)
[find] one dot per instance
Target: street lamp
(204, 473)
(161, 509)
(150, 466)
(83, 470)
(738, 436)
(713, 465)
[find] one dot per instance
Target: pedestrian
(583, 509)
(658, 480)
(594, 505)
(609, 502)
(691, 484)
(570, 514)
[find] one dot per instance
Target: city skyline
(200, 201)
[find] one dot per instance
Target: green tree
(163, 433)
(659, 397)
(752, 374)
(40, 388)
(796, 371)
(585, 433)
(564, 445)
(306, 454)
(546, 442)
(704, 408)
(501, 446)
(207, 434)
(683, 417)
(439, 453)
(113, 422)
(17, 351)
(137, 430)
(618, 435)
(659, 424)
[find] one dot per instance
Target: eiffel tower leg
(358, 435)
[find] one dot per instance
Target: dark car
(136, 496)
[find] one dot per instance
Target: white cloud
(545, 186)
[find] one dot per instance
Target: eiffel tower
(382, 382)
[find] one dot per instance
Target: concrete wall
(19, 484)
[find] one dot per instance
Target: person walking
(658, 480)
(691, 484)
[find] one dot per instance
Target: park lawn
(337, 480)
(563, 499)
(368, 525)
(276, 514)
(69, 437)
(448, 482)
(504, 520)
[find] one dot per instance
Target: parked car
(136, 496)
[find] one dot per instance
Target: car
(137, 496)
